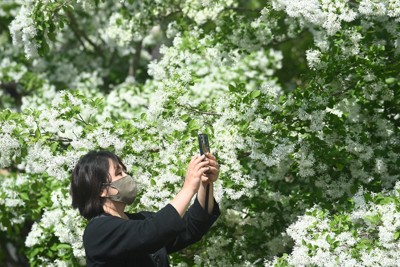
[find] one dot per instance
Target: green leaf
(339, 166)
(44, 47)
(396, 235)
(54, 146)
(364, 243)
(390, 80)
(374, 219)
(255, 94)
(244, 126)
(24, 196)
(35, 251)
(69, 8)
(192, 125)
(52, 36)
(37, 133)
(384, 200)
(185, 117)
(63, 246)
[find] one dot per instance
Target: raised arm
(196, 169)
(207, 180)
(197, 223)
(197, 220)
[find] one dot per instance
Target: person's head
(91, 177)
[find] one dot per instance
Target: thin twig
(58, 8)
(60, 139)
(82, 120)
(75, 28)
(196, 110)
(240, 9)
(135, 59)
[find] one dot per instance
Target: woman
(101, 189)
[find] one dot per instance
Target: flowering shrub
(366, 233)
(299, 98)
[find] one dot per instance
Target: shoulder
(145, 230)
(106, 222)
(100, 227)
(140, 215)
(103, 220)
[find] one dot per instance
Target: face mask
(126, 187)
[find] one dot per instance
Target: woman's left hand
(213, 169)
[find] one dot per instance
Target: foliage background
(300, 100)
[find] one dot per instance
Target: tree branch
(244, 10)
(58, 8)
(196, 110)
(11, 89)
(81, 34)
(81, 119)
(135, 59)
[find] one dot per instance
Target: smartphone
(203, 144)
(204, 148)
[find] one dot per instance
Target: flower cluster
(367, 234)
(23, 31)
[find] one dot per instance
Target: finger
(191, 164)
(210, 156)
(213, 169)
(202, 164)
(204, 178)
(212, 173)
(212, 178)
(199, 158)
(208, 172)
(213, 163)
(202, 171)
(194, 158)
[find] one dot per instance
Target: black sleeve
(110, 237)
(197, 223)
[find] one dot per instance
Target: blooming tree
(300, 100)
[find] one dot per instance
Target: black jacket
(146, 238)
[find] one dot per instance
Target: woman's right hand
(196, 169)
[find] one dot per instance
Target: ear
(104, 192)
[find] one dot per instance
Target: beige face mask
(127, 190)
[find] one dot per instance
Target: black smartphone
(203, 144)
(204, 148)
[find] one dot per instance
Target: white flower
(119, 29)
(9, 147)
(270, 88)
(34, 235)
(263, 125)
(334, 111)
(380, 166)
(23, 31)
(299, 229)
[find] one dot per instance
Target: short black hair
(88, 177)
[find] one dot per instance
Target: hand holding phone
(213, 166)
